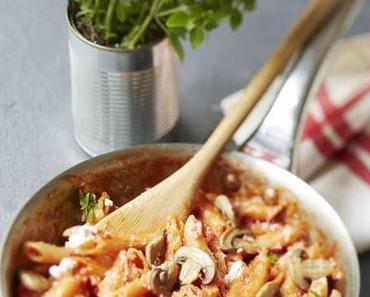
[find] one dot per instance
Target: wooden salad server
(172, 197)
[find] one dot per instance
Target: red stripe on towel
(312, 127)
(335, 116)
(322, 143)
(363, 140)
(354, 164)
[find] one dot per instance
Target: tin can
(121, 98)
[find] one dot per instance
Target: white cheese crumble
(269, 193)
(65, 266)
(81, 236)
(235, 271)
(287, 233)
(108, 202)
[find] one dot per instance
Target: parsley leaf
(314, 293)
(88, 203)
(273, 258)
(249, 4)
(178, 19)
(236, 19)
(196, 37)
(177, 46)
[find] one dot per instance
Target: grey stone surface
(36, 137)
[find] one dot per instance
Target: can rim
(77, 33)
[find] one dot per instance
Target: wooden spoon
(150, 211)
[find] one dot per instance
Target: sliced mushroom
(163, 280)
(227, 238)
(301, 271)
(156, 249)
(34, 282)
(268, 290)
(317, 268)
(190, 271)
(295, 268)
(222, 202)
(235, 238)
(335, 293)
(195, 264)
(247, 245)
(319, 287)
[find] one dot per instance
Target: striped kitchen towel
(335, 146)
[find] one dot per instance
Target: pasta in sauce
(254, 240)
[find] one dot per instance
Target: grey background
(36, 137)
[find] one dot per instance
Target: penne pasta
(252, 278)
(44, 253)
(68, 286)
(193, 234)
(280, 238)
(255, 242)
(175, 234)
(213, 218)
(257, 210)
(132, 289)
(111, 245)
(128, 266)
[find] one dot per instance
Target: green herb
(273, 258)
(314, 293)
(129, 24)
(88, 203)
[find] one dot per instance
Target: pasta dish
(251, 240)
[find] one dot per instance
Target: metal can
(121, 98)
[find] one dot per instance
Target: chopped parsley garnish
(273, 258)
(314, 293)
(88, 203)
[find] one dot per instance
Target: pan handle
(276, 125)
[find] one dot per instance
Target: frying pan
(126, 173)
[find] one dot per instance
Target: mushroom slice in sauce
(317, 268)
(222, 202)
(301, 271)
(319, 287)
(156, 249)
(295, 268)
(163, 280)
(237, 238)
(189, 272)
(195, 263)
(268, 290)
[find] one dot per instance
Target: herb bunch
(129, 24)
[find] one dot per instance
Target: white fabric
(335, 149)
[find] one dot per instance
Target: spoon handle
(310, 21)
(148, 213)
